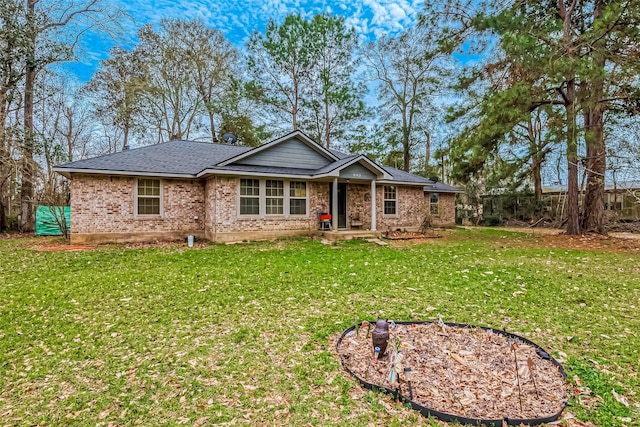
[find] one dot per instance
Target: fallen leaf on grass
(620, 398)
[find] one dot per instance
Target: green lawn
(245, 333)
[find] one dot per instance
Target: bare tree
(52, 31)
(409, 70)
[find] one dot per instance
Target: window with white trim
(390, 200)
(297, 198)
(434, 206)
(274, 197)
(249, 196)
(148, 197)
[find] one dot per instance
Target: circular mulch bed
(460, 373)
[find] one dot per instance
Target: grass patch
(161, 336)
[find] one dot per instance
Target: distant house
(621, 200)
(227, 192)
(621, 203)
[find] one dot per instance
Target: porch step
(334, 236)
(377, 242)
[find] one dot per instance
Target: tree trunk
(125, 138)
(212, 123)
(327, 130)
(573, 220)
(27, 220)
(427, 153)
(536, 171)
(593, 208)
(5, 171)
(573, 223)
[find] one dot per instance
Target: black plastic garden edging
(447, 417)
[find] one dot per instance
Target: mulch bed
(468, 372)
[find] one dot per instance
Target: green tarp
(46, 224)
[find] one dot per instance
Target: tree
(52, 30)
(333, 99)
(116, 91)
(409, 69)
(171, 100)
(212, 62)
(281, 62)
(569, 58)
(64, 130)
(13, 48)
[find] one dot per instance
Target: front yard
(245, 334)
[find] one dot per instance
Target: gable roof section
(295, 135)
(333, 169)
(191, 159)
(174, 158)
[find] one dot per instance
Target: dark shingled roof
(173, 157)
(189, 158)
(402, 176)
(443, 188)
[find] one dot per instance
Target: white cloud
(238, 19)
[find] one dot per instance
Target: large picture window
(297, 198)
(149, 197)
(273, 197)
(274, 200)
(390, 200)
(249, 197)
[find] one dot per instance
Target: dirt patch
(468, 372)
(411, 235)
(59, 248)
(616, 242)
(545, 238)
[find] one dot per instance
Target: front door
(342, 203)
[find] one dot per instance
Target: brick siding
(105, 204)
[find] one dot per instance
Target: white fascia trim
(68, 171)
(372, 165)
(413, 184)
(249, 173)
(295, 134)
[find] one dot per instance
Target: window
(148, 197)
(273, 197)
(297, 198)
(249, 197)
(433, 204)
(274, 200)
(390, 200)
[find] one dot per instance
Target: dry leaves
(467, 372)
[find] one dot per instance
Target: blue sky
(238, 19)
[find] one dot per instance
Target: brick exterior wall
(223, 217)
(359, 203)
(104, 205)
(410, 208)
(446, 209)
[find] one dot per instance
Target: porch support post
(373, 205)
(334, 208)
